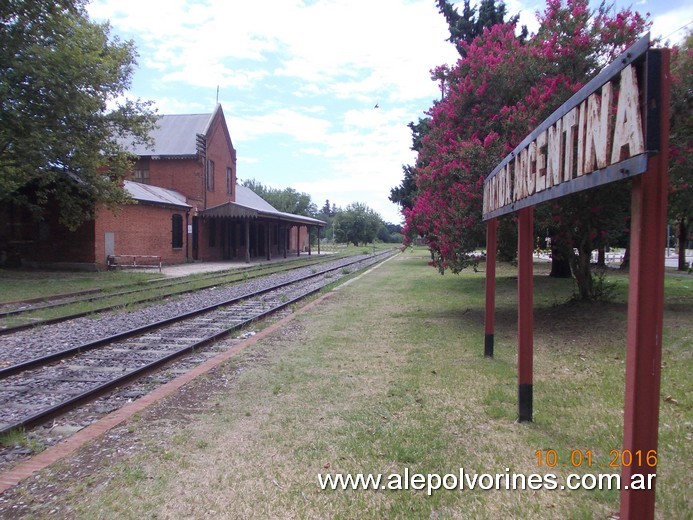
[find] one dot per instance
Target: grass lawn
(18, 285)
(386, 376)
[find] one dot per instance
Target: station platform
(208, 267)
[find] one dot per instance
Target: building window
(210, 175)
(176, 231)
(140, 173)
(229, 181)
(212, 232)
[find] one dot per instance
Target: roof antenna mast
(217, 94)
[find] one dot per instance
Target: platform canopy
(249, 205)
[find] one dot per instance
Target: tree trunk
(683, 242)
(560, 266)
(583, 274)
(601, 256)
(625, 264)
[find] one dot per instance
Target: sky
(317, 94)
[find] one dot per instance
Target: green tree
(287, 200)
(405, 193)
(470, 24)
(357, 224)
(390, 233)
(492, 99)
(62, 78)
(681, 144)
(463, 29)
(327, 210)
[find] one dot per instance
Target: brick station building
(188, 208)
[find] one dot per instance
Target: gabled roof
(175, 135)
(250, 205)
(155, 195)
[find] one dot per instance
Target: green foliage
(405, 193)
(287, 200)
(681, 144)
(61, 77)
(390, 233)
(20, 438)
(681, 133)
(470, 24)
(327, 210)
(603, 289)
(492, 98)
(358, 224)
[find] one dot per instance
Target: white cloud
(324, 43)
(669, 24)
(304, 76)
(207, 74)
(290, 122)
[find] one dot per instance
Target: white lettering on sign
(591, 136)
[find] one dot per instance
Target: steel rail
(88, 395)
(91, 345)
(100, 389)
(59, 319)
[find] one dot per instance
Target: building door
(109, 244)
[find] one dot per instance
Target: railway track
(17, 316)
(34, 390)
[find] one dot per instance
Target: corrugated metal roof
(247, 197)
(175, 135)
(250, 205)
(155, 194)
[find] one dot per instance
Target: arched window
(176, 231)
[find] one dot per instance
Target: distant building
(189, 208)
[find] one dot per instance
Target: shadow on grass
(557, 319)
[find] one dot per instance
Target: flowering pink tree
(681, 150)
(492, 98)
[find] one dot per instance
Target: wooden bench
(133, 262)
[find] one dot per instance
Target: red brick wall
(145, 229)
(206, 252)
(63, 245)
(45, 241)
(182, 175)
(187, 176)
(140, 229)
(219, 150)
(302, 239)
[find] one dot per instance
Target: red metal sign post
(525, 311)
(608, 131)
(645, 316)
(490, 315)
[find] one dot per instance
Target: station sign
(615, 127)
(600, 135)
